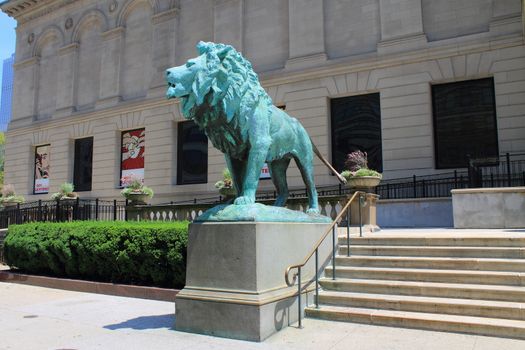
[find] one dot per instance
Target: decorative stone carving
(69, 23)
(113, 6)
(31, 38)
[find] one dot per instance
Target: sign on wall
(41, 184)
(265, 172)
(132, 154)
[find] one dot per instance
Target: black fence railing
(504, 171)
(62, 210)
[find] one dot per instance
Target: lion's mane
(228, 85)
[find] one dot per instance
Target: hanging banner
(41, 184)
(132, 164)
(265, 172)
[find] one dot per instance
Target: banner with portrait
(41, 184)
(132, 155)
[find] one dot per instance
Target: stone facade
(95, 68)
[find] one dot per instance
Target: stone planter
(68, 200)
(9, 204)
(228, 192)
(137, 198)
(363, 181)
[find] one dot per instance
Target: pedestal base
(235, 284)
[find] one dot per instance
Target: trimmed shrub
(145, 253)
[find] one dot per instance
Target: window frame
(178, 179)
(332, 129)
(435, 122)
(75, 164)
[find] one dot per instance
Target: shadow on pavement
(145, 322)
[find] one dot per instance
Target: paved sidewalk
(42, 318)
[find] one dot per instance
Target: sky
(7, 38)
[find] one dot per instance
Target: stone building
(419, 84)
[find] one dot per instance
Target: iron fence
(504, 171)
(62, 210)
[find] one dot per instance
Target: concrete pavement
(41, 318)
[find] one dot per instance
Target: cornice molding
(113, 33)
(68, 48)
(25, 63)
(165, 15)
(28, 10)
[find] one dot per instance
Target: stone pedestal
(489, 207)
(235, 284)
(368, 213)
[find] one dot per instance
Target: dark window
(192, 154)
(83, 169)
(464, 122)
(356, 125)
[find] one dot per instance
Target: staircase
(460, 284)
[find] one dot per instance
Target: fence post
(509, 176)
(126, 210)
(415, 186)
(18, 217)
(114, 210)
(96, 209)
(57, 214)
(75, 209)
(39, 210)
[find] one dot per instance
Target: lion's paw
(312, 211)
(243, 200)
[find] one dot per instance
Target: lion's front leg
(259, 137)
(256, 159)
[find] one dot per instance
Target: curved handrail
(319, 242)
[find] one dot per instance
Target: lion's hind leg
(305, 164)
(278, 173)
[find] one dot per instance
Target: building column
(401, 26)
(25, 86)
(306, 41)
(109, 93)
(66, 75)
(506, 17)
(164, 44)
(228, 22)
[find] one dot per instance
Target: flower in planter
(134, 186)
(357, 166)
(9, 196)
(66, 191)
(225, 186)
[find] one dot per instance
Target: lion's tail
(327, 163)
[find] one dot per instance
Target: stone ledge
(121, 290)
(489, 190)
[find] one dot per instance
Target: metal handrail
(315, 250)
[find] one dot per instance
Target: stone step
(478, 252)
(486, 264)
(451, 306)
(427, 289)
(431, 321)
(430, 275)
(481, 241)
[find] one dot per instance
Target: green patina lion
(220, 91)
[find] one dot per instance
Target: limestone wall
(88, 68)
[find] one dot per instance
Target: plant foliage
(144, 253)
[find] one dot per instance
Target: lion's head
(219, 77)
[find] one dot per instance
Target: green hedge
(145, 253)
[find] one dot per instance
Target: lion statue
(220, 91)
